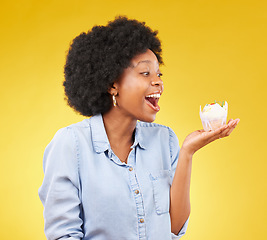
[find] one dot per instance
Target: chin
(149, 119)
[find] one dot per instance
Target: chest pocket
(161, 182)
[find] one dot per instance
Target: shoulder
(157, 132)
(66, 140)
(79, 126)
(69, 133)
(155, 128)
(159, 137)
(84, 124)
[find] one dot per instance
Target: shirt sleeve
(174, 150)
(59, 192)
(182, 231)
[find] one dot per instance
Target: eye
(159, 75)
(145, 74)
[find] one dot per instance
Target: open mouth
(152, 101)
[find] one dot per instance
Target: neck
(119, 128)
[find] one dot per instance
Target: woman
(117, 175)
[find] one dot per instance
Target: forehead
(145, 58)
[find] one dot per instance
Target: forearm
(180, 192)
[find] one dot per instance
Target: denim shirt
(88, 193)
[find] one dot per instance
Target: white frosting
(214, 111)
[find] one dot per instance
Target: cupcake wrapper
(213, 124)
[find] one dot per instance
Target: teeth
(157, 95)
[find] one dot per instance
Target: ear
(113, 90)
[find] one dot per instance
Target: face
(139, 88)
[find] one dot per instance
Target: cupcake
(214, 115)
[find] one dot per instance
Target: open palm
(200, 138)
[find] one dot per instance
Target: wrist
(187, 153)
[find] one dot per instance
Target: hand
(200, 138)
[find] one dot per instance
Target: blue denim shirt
(88, 193)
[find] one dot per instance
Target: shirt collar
(138, 138)
(99, 135)
(100, 138)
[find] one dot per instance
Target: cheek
(134, 88)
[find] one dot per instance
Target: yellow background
(213, 50)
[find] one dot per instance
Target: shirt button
(130, 169)
(142, 220)
(136, 191)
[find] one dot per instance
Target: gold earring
(114, 100)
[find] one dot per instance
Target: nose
(157, 82)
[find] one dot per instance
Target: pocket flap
(161, 182)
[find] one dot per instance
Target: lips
(152, 101)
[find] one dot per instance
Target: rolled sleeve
(59, 192)
(181, 232)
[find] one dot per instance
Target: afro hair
(96, 59)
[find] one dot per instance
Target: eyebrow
(144, 61)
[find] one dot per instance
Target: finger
(234, 123)
(228, 132)
(212, 133)
(230, 120)
(231, 123)
(216, 134)
(231, 127)
(223, 131)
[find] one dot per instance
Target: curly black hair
(96, 59)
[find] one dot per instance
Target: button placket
(139, 203)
